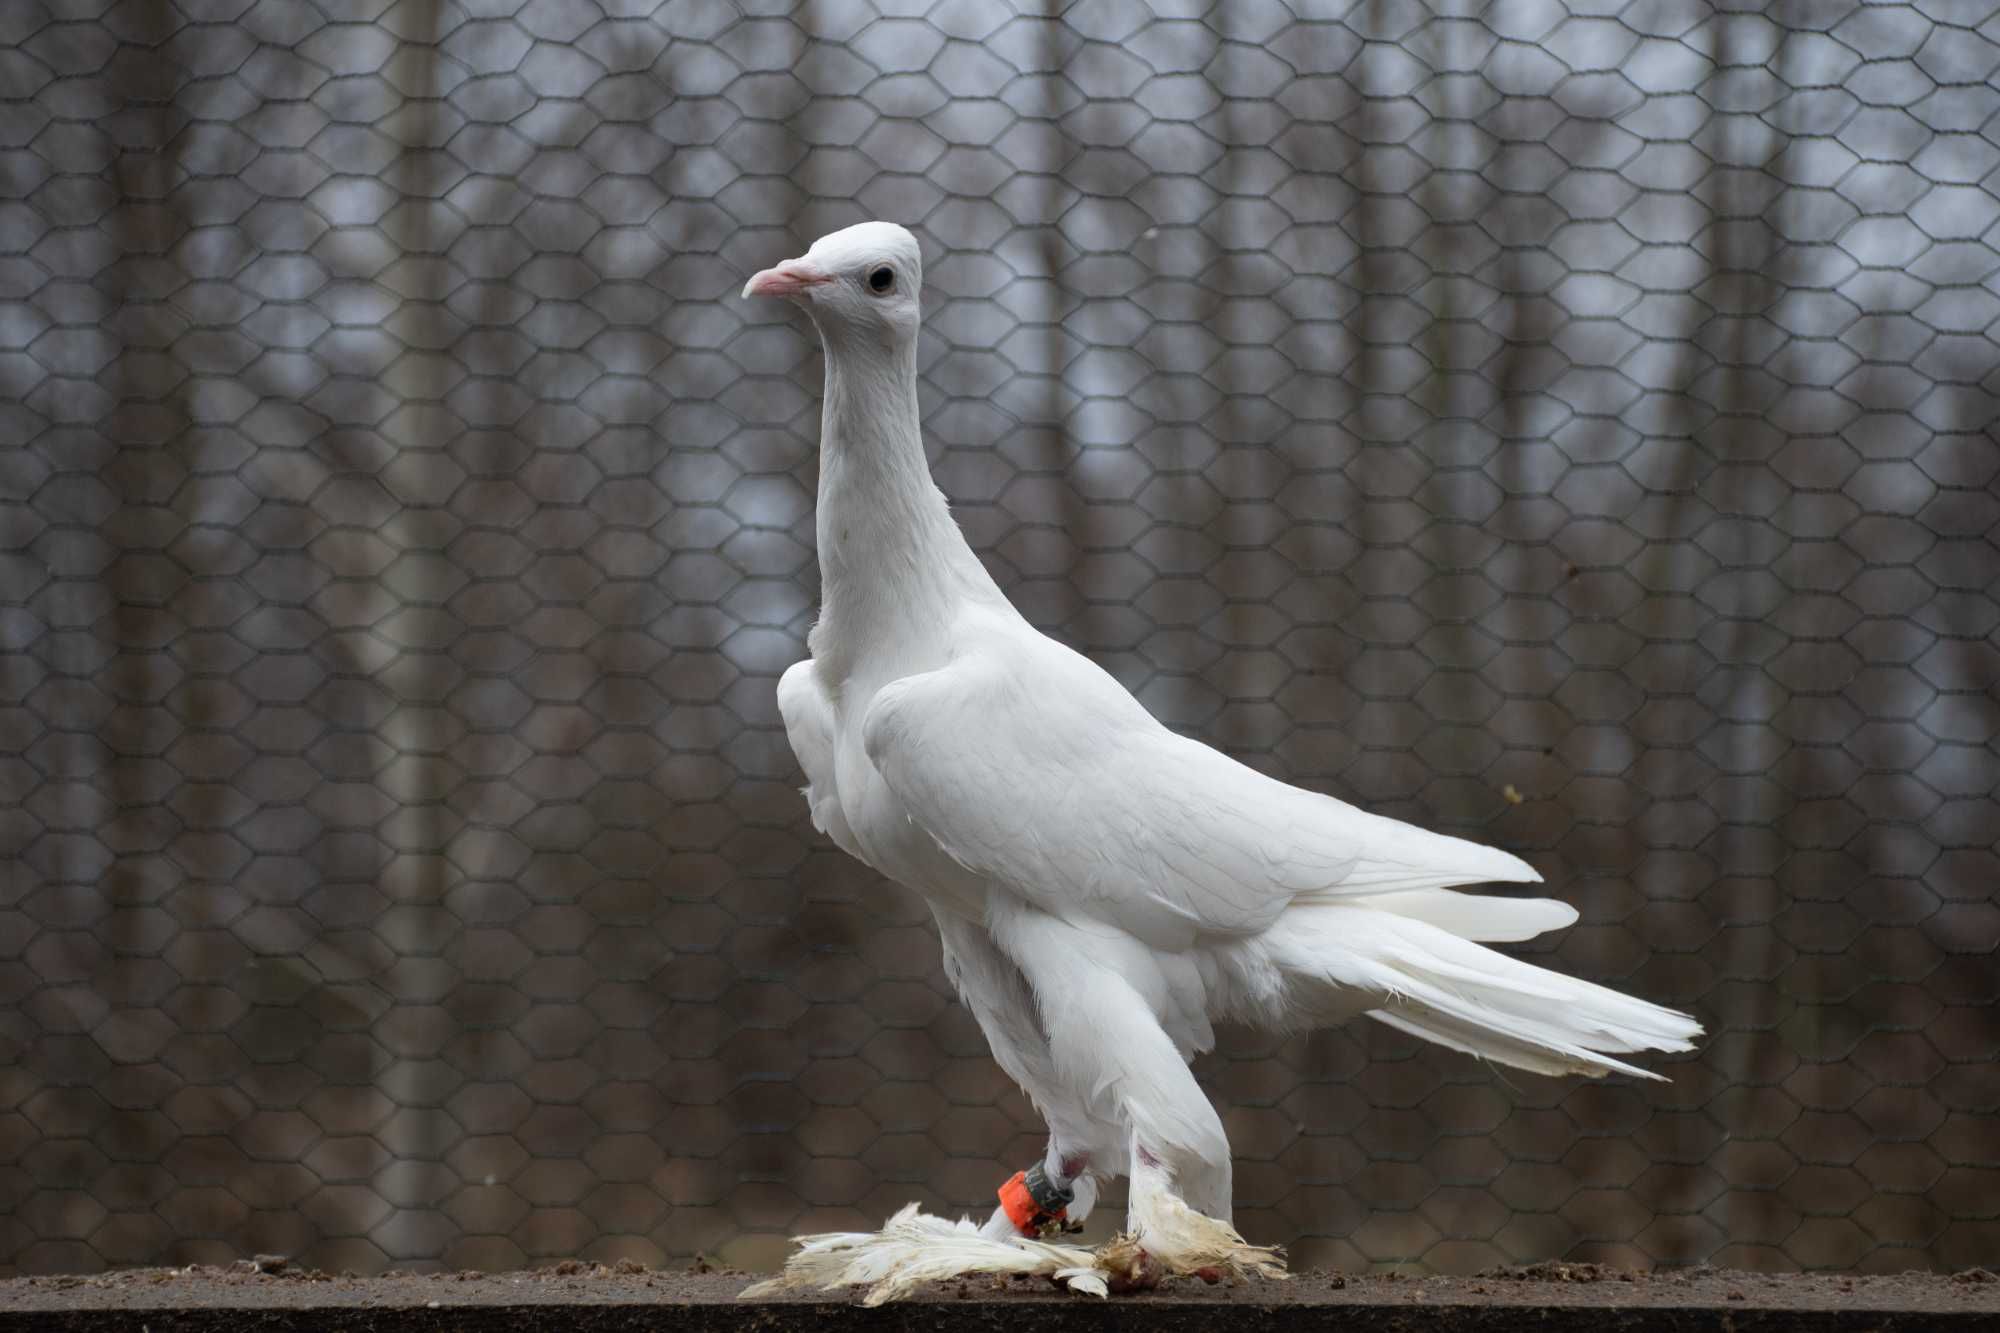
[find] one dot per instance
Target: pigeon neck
(894, 567)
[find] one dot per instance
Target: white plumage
(1105, 889)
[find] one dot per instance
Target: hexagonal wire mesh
(1567, 427)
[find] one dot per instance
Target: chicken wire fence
(1570, 427)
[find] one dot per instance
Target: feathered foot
(914, 1248)
(1171, 1239)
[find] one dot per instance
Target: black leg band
(1048, 1196)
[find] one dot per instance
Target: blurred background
(1569, 426)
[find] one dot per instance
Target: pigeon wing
(1030, 766)
(809, 726)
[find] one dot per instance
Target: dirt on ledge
(270, 1294)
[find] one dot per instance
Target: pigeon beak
(794, 277)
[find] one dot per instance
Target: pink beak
(790, 278)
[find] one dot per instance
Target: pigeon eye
(881, 280)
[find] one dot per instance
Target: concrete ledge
(1563, 1297)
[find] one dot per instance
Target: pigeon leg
(1103, 1025)
(1166, 1236)
(1003, 1003)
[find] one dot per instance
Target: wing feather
(1029, 765)
(808, 715)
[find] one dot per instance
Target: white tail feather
(1433, 983)
(1472, 916)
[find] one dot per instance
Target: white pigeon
(1106, 890)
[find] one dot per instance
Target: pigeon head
(861, 282)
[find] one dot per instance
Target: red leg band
(1027, 1216)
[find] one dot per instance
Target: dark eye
(882, 279)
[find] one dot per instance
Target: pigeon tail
(1427, 981)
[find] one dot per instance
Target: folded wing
(808, 718)
(1029, 765)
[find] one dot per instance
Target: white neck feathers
(894, 566)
